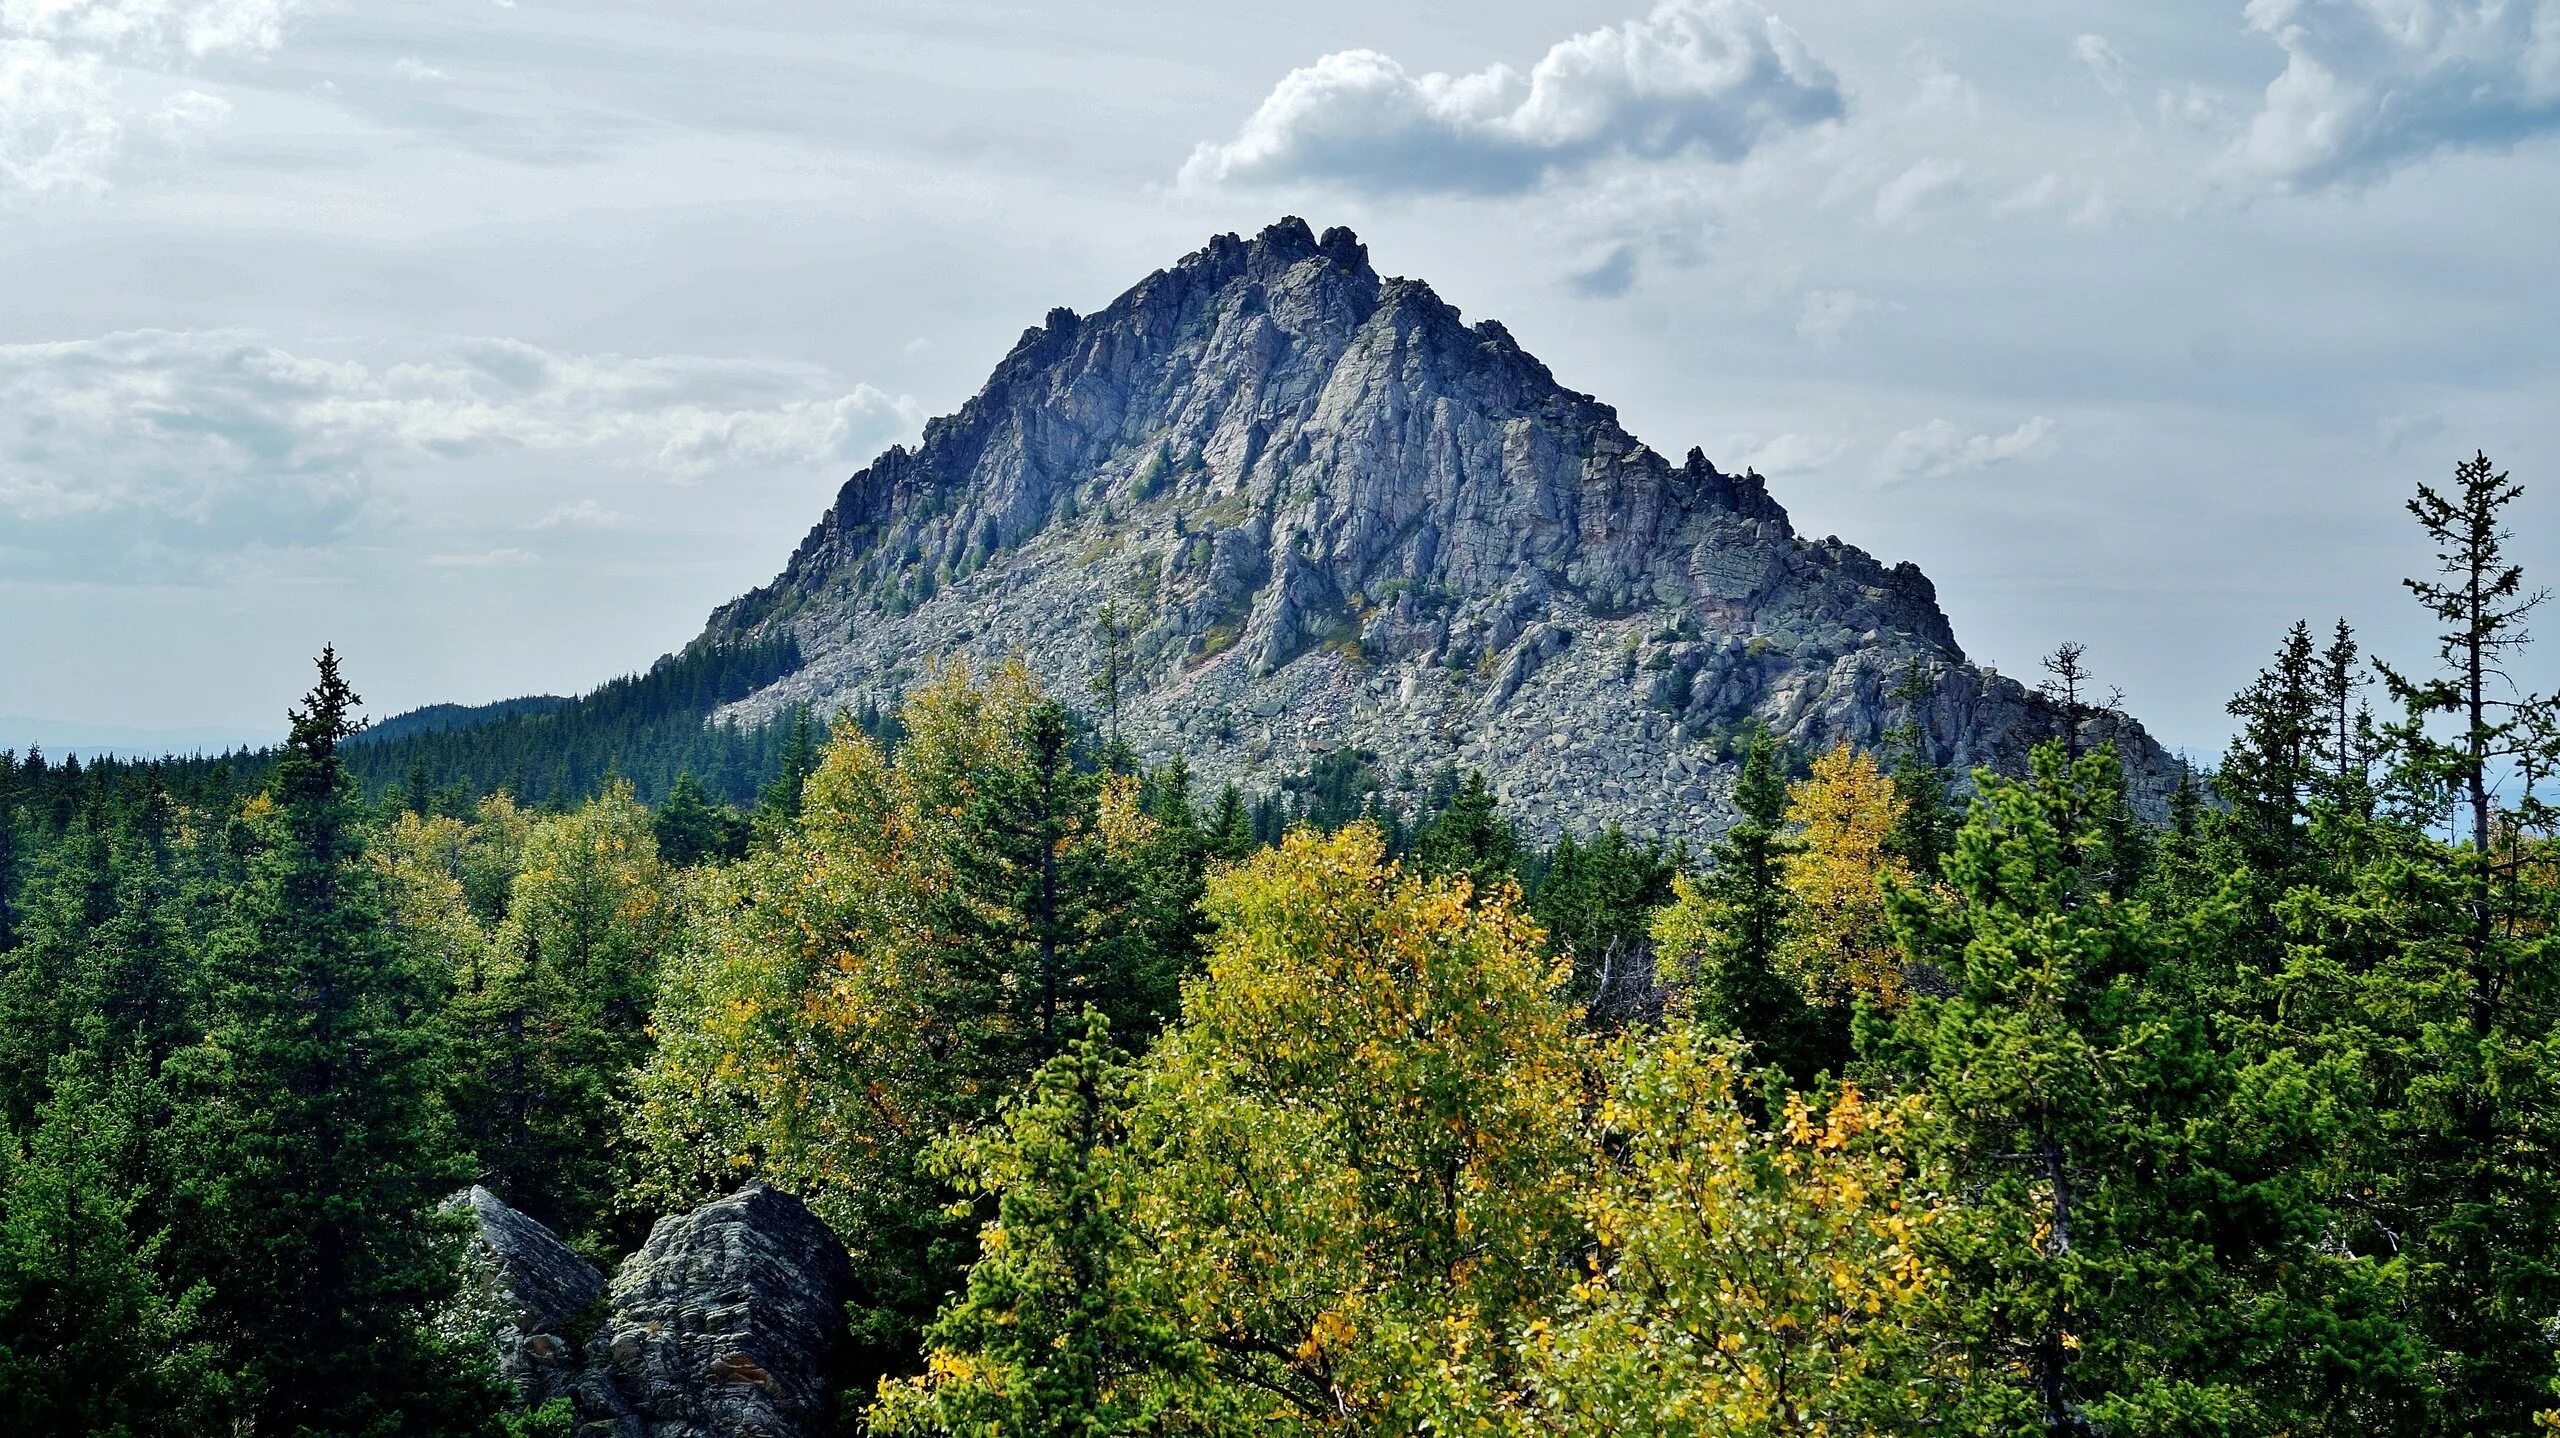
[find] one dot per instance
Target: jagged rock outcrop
(729, 1323)
(528, 1287)
(1343, 516)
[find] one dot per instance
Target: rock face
(1335, 514)
(727, 1324)
(530, 1287)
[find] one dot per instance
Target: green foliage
(646, 728)
(1720, 936)
(306, 1140)
(92, 1339)
(925, 938)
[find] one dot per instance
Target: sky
(497, 341)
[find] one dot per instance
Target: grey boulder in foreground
(728, 1323)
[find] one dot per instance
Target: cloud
(585, 514)
(1612, 275)
(2105, 64)
(1902, 200)
(1827, 314)
(1938, 449)
(1716, 77)
(60, 123)
(64, 115)
(2370, 86)
(410, 67)
(202, 438)
(1787, 454)
(486, 559)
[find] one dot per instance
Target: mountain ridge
(1338, 514)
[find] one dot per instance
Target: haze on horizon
(498, 341)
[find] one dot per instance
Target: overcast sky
(498, 340)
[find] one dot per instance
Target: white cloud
(199, 427)
(1827, 314)
(410, 67)
(1902, 200)
(1938, 449)
(2105, 64)
(63, 113)
(585, 514)
(486, 559)
(60, 124)
(1785, 454)
(188, 113)
(2372, 85)
(1712, 76)
(149, 30)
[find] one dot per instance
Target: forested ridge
(1910, 1105)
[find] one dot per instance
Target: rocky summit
(1332, 513)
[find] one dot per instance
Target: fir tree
(1469, 837)
(1232, 833)
(308, 1157)
(691, 828)
(1721, 934)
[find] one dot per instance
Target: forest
(1919, 1103)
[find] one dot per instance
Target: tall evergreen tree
(92, 1338)
(1469, 837)
(692, 829)
(2448, 950)
(1721, 934)
(307, 1149)
(778, 806)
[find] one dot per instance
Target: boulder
(729, 1323)
(527, 1287)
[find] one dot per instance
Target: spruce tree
(93, 1339)
(2097, 1264)
(1231, 831)
(2456, 974)
(307, 1151)
(1469, 837)
(691, 829)
(1720, 936)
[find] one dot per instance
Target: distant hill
(646, 728)
(440, 718)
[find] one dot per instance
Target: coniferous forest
(1918, 1103)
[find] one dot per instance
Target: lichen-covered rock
(728, 1323)
(526, 1286)
(1318, 493)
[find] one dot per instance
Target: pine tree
(2077, 1106)
(1720, 936)
(691, 829)
(306, 1150)
(92, 1338)
(1469, 837)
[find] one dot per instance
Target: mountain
(1335, 514)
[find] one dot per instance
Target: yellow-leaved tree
(897, 962)
(1748, 1278)
(1378, 1179)
(1839, 939)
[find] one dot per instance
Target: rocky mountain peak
(1336, 514)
